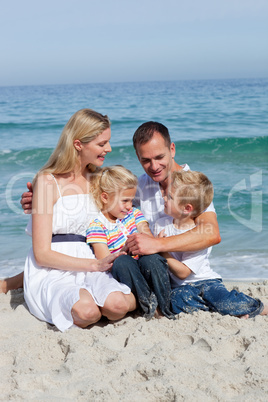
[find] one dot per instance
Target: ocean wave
(15, 156)
(11, 267)
(210, 147)
(241, 266)
(231, 266)
(45, 125)
(231, 145)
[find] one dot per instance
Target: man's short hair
(145, 132)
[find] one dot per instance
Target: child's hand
(162, 233)
(105, 264)
(125, 249)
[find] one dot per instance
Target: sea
(219, 127)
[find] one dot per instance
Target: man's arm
(204, 235)
(26, 199)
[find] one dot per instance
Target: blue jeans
(148, 280)
(212, 295)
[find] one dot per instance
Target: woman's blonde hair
(85, 125)
(193, 188)
(111, 180)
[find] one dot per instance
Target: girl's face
(94, 152)
(118, 205)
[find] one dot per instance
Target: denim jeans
(212, 295)
(148, 280)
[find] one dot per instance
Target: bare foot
(158, 313)
(3, 286)
(15, 282)
(265, 310)
(244, 317)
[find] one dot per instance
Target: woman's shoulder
(46, 187)
(44, 178)
(60, 180)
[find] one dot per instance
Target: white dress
(51, 293)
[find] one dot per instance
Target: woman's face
(94, 152)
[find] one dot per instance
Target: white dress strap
(56, 184)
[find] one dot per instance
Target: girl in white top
(63, 282)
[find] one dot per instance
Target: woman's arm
(44, 197)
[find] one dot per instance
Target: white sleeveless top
(51, 293)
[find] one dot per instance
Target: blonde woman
(63, 282)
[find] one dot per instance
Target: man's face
(156, 158)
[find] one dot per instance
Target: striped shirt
(114, 234)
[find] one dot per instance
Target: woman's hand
(105, 264)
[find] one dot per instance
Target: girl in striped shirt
(114, 189)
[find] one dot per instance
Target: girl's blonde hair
(85, 125)
(193, 188)
(111, 180)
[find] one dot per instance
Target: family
(105, 243)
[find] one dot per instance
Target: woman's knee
(84, 315)
(116, 304)
(85, 311)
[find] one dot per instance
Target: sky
(87, 41)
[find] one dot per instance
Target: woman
(63, 282)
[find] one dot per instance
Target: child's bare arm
(100, 250)
(176, 267)
(143, 227)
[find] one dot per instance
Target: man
(156, 154)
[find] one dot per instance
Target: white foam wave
(234, 266)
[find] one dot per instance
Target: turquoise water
(219, 127)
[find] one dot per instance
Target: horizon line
(134, 82)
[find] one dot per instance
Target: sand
(198, 357)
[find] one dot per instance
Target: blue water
(219, 127)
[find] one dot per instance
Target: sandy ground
(198, 357)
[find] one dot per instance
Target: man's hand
(142, 244)
(26, 199)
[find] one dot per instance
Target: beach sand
(198, 357)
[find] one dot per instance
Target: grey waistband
(67, 237)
